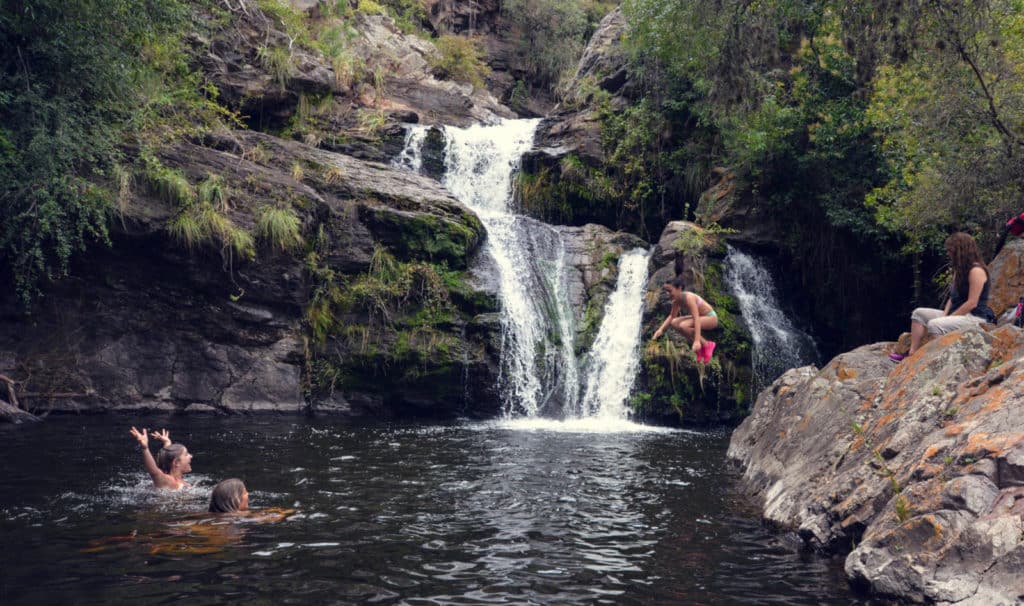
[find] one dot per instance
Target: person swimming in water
(229, 496)
(172, 461)
(699, 316)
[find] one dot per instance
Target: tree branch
(12, 396)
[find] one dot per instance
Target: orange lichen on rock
(845, 373)
(981, 444)
(932, 450)
(927, 471)
(1007, 344)
(804, 422)
(883, 421)
(955, 430)
(996, 399)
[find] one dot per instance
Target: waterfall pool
(476, 513)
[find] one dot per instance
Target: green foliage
(884, 122)
(290, 19)
(575, 193)
(371, 121)
(169, 184)
(202, 224)
(70, 86)
(370, 7)
(79, 79)
(201, 219)
(336, 43)
(460, 58)
(903, 509)
(551, 35)
(279, 228)
(214, 192)
(409, 15)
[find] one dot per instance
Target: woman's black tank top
(982, 310)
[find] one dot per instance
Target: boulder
(1007, 273)
(912, 469)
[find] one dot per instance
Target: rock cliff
(914, 468)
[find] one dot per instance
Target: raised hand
(141, 436)
(164, 437)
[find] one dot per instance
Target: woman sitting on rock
(171, 463)
(699, 317)
(967, 305)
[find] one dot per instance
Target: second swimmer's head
(229, 496)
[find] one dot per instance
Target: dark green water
(471, 514)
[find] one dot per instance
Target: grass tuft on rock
(279, 228)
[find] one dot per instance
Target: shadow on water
(490, 513)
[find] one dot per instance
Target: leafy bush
(460, 58)
(278, 61)
(69, 83)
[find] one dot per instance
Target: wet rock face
(916, 467)
(151, 325)
(593, 253)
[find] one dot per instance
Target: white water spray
(778, 344)
(411, 156)
(615, 356)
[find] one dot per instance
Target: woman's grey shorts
(939, 323)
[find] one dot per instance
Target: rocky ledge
(915, 469)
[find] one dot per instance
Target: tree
(68, 84)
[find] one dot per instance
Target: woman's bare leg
(685, 327)
(917, 332)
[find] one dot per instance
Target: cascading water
(539, 363)
(615, 356)
(538, 359)
(411, 156)
(778, 344)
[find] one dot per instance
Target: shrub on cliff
(77, 77)
(460, 58)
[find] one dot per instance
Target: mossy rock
(412, 235)
(673, 388)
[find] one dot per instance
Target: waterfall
(411, 156)
(538, 359)
(778, 344)
(615, 356)
(540, 371)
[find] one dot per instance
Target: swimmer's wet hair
(227, 496)
(168, 455)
